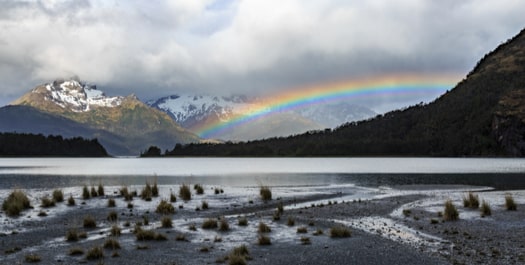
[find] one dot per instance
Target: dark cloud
(154, 48)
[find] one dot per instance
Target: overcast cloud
(253, 47)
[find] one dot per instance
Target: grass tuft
(510, 204)
(340, 231)
(198, 189)
(32, 258)
(155, 189)
(173, 198)
(100, 189)
(72, 235)
(146, 193)
(94, 192)
(471, 201)
(266, 193)
(76, 251)
(166, 222)
(302, 230)
(143, 235)
(124, 192)
(95, 253)
(58, 195)
(264, 240)
(111, 202)
(165, 207)
(485, 209)
(111, 244)
(115, 230)
(85, 193)
(263, 228)
(209, 224)
(243, 221)
(47, 202)
(15, 203)
(112, 216)
(291, 221)
(223, 224)
(71, 201)
(185, 192)
(204, 205)
(305, 240)
(450, 213)
(89, 222)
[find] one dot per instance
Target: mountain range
(483, 115)
(127, 126)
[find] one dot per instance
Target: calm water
(67, 172)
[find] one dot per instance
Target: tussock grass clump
(276, 216)
(146, 193)
(485, 209)
(340, 231)
(89, 222)
(291, 221)
(42, 214)
(318, 232)
(111, 202)
(82, 235)
(450, 213)
(305, 240)
(224, 225)
(209, 224)
(72, 235)
(111, 243)
(180, 237)
(58, 195)
(241, 250)
(143, 235)
(46, 202)
(192, 227)
(155, 189)
(510, 204)
(471, 201)
(407, 212)
(166, 222)
(280, 208)
(165, 207)
(71, 201)
(32, 258)
(198, 189)
(15, 203)
(204, 205)
(185, 192)
(263, 228)
(85, 193)
(112, 216)
(100, 189)
(115, 230)
(124, 192)
(95, 253)
(266, 193)
(236, 260)
(243, 221)
(94, 192)
(302, 230)
(173, 198)
(264, 240)
(76, 251)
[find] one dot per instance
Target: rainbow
(392, 85)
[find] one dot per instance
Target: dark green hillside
(484, 115)
(32, 145)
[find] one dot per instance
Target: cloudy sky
(254, 47)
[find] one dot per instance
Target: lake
(246, 172)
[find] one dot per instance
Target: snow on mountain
(77, 96)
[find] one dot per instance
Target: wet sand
(381, 234)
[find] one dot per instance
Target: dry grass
(198, 189)
(143, 235)
(115, 230)
(185, 192)
(209, 224)
(146, 193)
(112, 216)
(15, 203)
(111, 243)
(71, 201)
(166, 222)
(204, 205)
(485, 209)
(471, 201)
(124, 192)
(243, 221)
(32, 258)
(47, 202)
(305, 240)
(223, 224)
(280, 207)
(76, 251)
(89, 222)
(340, 231)
(95, 253)
(173, 198)
(266, 193)
(100, 189)
(85, 193)
(263, 228)
(510, 204)
(264, 240)
(94, 192)
(450, 213)
(291, 221)
(71, 235)
(111, 202)
(155, 189)
(165, 207)
(58, 195)
(302, 230)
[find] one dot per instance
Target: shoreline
(380, 233)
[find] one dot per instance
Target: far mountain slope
(137, 125)
(483, 115)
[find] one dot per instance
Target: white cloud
(154, 48)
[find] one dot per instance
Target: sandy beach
(397, 225)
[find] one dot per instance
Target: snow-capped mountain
(77, 96)
(193, 112)
(124, 125)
